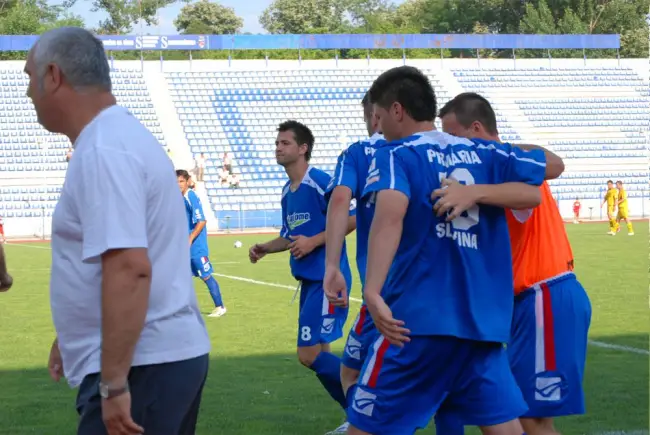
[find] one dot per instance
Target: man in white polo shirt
(129, 332)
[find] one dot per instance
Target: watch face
(103, 390)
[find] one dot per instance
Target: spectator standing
(122, 299)
(200, 167)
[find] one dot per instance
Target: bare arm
(554, 164)
(385, 235)
(515, 196)
(126, 282)
(3, 262)
(337, 224)
(197, 230)
(279, 244)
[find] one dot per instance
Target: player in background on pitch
(347, 185)
(576, 211)
(611, 197)
(623, 211)
(443, 278)
(552, 312)
(200, 263)
(304, 212)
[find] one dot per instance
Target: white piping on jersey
(305, 180)
(372, 140)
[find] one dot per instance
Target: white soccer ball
(238, 244)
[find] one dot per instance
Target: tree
(305, 16)
(123, 14)
(208, 18)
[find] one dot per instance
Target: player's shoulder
(285, 188)
(318, 176)
(192, 196)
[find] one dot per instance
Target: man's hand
(256, 253)
(116, 413)
(393, 330)
(336, 289)
(452, 198)
(55, 363)
(6, 281)
(301, 246)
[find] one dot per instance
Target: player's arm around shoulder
(554, 163)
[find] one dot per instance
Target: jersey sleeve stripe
(342, 166)
(391, 163)
(511, 154)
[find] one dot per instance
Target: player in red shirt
(576, 211)
(552, 314)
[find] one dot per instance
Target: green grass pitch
(256, 385)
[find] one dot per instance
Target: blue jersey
(304, 213)
(452, 278)
(351, 171)
(195, 215)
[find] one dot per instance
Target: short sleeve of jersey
(112, 213)
(284, 231)
(387, 171)
(197, 209)
(323, 180)
(513, 164)
(345, 173)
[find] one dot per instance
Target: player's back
(540, 245)
(452, 278)
(360, 154)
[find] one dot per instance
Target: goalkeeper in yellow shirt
(622, 214)
(611, 197)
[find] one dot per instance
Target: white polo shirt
(121, 191)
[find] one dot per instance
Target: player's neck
(84, 110)
(296, 172)
(417, 127)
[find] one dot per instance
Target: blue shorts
(400, 389)
(361, 336)
(201, 267)
(548, 346)
(319, 321)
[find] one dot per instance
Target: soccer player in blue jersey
(200, 263)
(444, 277)
(304, 212)
(347, 185)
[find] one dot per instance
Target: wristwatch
(108, 392)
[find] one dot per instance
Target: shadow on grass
(273, 394)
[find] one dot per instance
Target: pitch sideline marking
(594, 343)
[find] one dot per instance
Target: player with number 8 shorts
(436, 284)
(303, 233)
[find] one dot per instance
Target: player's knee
(513, 427)
(308, 354)
(349, 377)
(538, 426)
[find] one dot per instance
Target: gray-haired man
(129, 332)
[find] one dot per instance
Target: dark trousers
(165, 398)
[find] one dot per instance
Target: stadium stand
(596, 117)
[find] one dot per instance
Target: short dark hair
(619, 182)
(409, 87)
(182, 173)
(610, 181)
(469, 107)
(367, 105)
(301, 133)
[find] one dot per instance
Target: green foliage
(624, 17)
(123, 14)
(208, 18)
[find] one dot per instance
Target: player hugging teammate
(442, 221)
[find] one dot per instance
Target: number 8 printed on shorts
(305, 333)
(465, 177)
